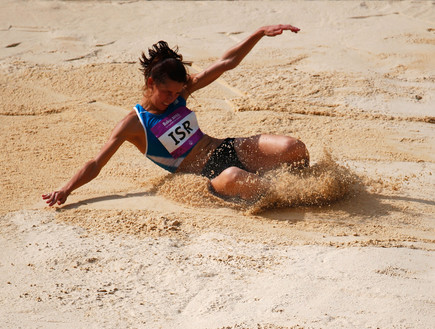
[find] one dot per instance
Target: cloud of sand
(323, 183)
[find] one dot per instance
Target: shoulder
(189, 89)
(129, 126)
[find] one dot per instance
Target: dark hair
(163, 63)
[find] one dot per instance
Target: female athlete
(164, 129)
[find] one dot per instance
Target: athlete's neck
(150, 107)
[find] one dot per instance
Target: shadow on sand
(113, 197)
(361, 206)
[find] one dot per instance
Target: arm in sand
(92, 168)
(232, 57)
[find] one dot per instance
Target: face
(163, 94)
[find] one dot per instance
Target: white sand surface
(348, 245)
(58, 276)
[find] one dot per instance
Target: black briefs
(223, 157)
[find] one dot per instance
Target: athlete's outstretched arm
(92, 168)
(232, 57)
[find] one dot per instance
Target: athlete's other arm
(232, 57)
(92, 168)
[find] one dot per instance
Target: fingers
(50, 198)
(53, 198)
(294, 29)
(278, 29)
(290, 28)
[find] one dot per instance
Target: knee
(228, 180)
(231, 176)
(296, 151)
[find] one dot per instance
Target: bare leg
(265, 152)
(236, 182)
(259, 153)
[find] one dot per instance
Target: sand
(347, 244)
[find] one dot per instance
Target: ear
(150, 82)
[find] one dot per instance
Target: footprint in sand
(369, 16)
(12, 45)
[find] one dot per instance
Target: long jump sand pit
(348, 243)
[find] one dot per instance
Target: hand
(273, 30)
(58, 197)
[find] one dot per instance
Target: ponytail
(162, 63)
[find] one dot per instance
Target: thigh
(265, 152)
